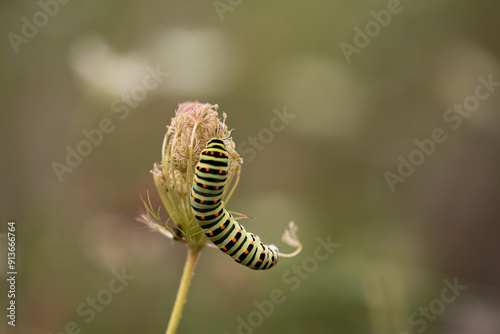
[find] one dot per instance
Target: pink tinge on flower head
(196, 107)
(197, 112)
(192, 127)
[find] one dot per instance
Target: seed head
(192, 127)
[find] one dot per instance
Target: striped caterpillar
(217, 223)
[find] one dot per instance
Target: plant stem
(180, 300)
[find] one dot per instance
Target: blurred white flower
(201, 61)
(328, 94)
(105, 70)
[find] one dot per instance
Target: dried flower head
(192, 127)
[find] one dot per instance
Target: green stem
(180, 300)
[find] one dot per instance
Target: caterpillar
(217, 223)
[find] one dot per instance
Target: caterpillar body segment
(217, 223)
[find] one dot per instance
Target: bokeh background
(325, 170)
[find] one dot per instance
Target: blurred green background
(325, 170)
